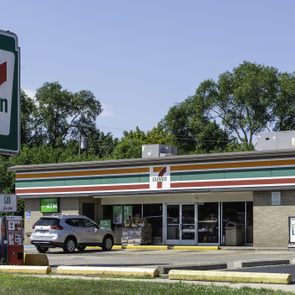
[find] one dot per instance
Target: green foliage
(12, 284)
(243, 99)
(129, 146)
(62, 114)
(191, 129)
(226, 114)
(284, 107)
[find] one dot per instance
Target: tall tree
(191, 129)
(284, 107)
(64, 114)
(243, 99)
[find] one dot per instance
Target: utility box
(158, 150)
(275, 141)
(11, 240)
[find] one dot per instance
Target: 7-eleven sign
(9, 93)
(160, 177)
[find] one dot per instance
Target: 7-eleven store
(215, 199)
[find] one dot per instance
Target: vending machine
(15, 246)
(11, 240)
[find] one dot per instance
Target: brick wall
(270, 223)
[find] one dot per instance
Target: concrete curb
(196, 248)
(25, 269)
(197, 266)
(256, 262)
(233, 277)
(146, 247)
(133, 272)
(36, 259)
(115, 247)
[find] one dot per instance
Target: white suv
(70, 232)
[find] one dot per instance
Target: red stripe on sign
(83, 189)
(3, 73)
(233, 183)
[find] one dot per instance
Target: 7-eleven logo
(3, 72)
(160, 177)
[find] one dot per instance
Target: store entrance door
(181, 224)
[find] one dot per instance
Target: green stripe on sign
(83, 181)
(233, 174)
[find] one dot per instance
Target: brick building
(214, 199)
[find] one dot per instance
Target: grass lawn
(25, 285)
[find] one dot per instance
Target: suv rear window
(47, 221)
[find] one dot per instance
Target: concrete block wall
(270, 223)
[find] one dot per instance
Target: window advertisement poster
(49, 205)
(292, 229)
(117, 215)
(127, 213)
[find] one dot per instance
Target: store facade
(216, 199)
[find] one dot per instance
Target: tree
(63, 114)
(30, 128)
(243, 99)
(191, 129)
(284, 107)
(101, 145)
(129, 146)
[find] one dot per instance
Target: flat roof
(197, 158)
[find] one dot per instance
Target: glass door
(181, 224)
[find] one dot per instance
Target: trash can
(234, 234)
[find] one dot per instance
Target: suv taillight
(57, 227)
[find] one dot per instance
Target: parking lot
(96, 257)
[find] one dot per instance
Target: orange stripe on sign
(229, 165)
(81, 173)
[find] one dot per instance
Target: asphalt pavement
(161, 257)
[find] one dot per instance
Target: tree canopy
(222, 115)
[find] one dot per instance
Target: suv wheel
(70, 245)
(42, 249)
(107, 243)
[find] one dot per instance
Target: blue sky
(139, 58)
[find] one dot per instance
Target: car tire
(42, 249)
(70, 245)
(81, 248)
(107, 243)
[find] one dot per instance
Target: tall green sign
(9, 93)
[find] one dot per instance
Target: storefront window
(173, 222)
(208, 222)
(233, 232)
(153, 215)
